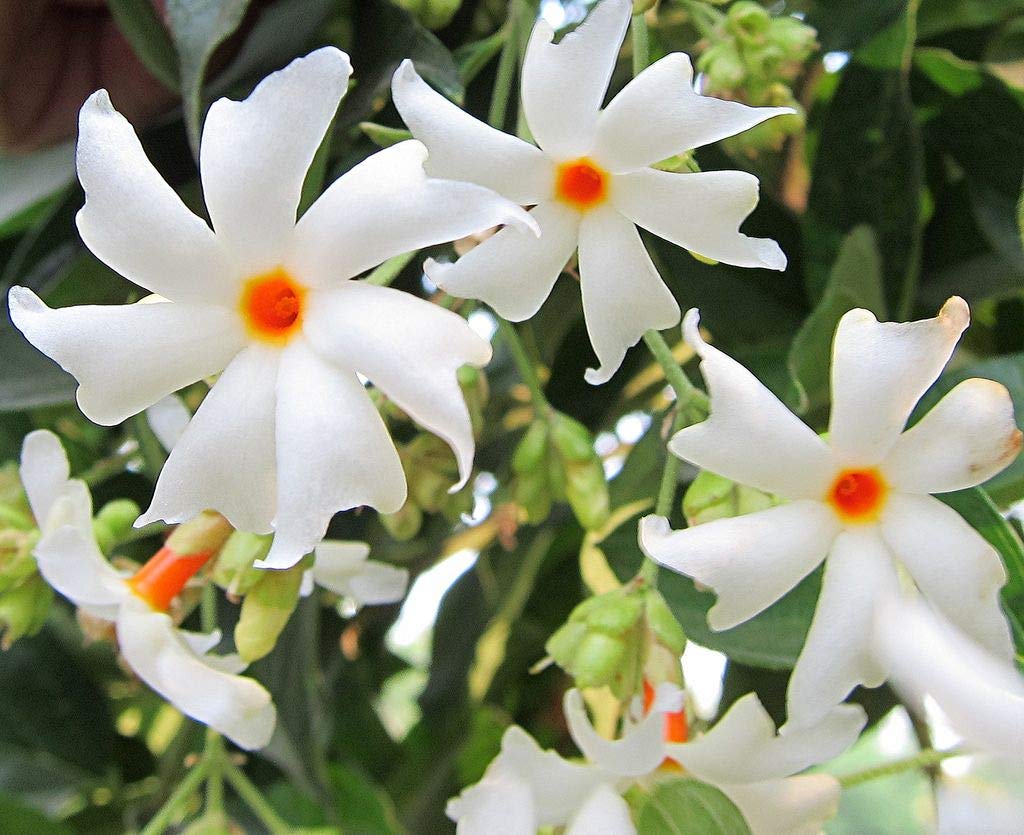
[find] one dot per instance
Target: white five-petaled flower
(981, 695)
(288, 435)
(591, 183)
(861, 498)
(343, 567)
(526, 787)
(174, 662)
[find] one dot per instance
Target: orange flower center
(161, 579)
(581, 183)
(858, 495)
(676, 728)
(271, 305)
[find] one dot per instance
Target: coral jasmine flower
(981, 695)
(591, 183)
(343, 568)
(175, 663)
(526, 787)
(288, 435)
(861, 498)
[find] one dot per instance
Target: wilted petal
(236, 706)
(135, 223)
(333, 452)
(639, 751)
(500, 802)
(70, 561)
(168, 418)
(603, 813)
(623, 295)
(859, 575)
(743, 747)
(982, 696)
(464, 148)
(255, 154)
(385, 206)
(513, 271)
(408, 348)
(794, 806)
(225, 458)
(126, 357)
(343, 568)
(749, 561)
(564, 84)
(659, 114)
(701, 212)
(879, 372)
(953, 565)
(750, 436)
(968, 437)
(44, 472)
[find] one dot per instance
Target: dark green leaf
(18, 819)
(846, 26)
(687, 806)
(142, 27)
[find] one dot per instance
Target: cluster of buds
(753, 58)
(434, 14)
(613, 639)
(556, 461)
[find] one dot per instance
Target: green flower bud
(587, 491)
(113, 524)
(572, 439)
(615, 612)
(233, 570)
(532, 492)
(531, 453)
(711, 497)
(793, 37)
(430, 469)
(16, 560)
(405, 523)
(663, 623)
(562, 645)
(747, 20)
(434, 14)
(266, 610)
(722, 65)
(597, 660)
(23, 609)
(641, 6)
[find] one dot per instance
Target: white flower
(343, 568)
(526, 787)
(175, 663)
(981, 695)
(861, 498)
(288, 435)
(591, 183)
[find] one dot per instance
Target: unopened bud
(266, 610)
(722, 66)
(233, 571)
(597, 660)
(434, 14)
(747, 19)
(23, 609)
(663, 624)
(206, 534)
(113, 524)
(587, 491)
(572, 439)
(533, 493)
(711, 496)
(531, 452)
(405, 523)
(16, 560)
(794, 38)
(615, 612)
(641, 6)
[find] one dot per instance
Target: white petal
(968, 437)
(499, 804)
(558, 787)
(388, 205)
(743, 747)
(623, 295)
(564, 84)
(749, 561)
(859, 575)
(637, 753)
(44, 472)
(750, 436)
(69, 561)
(408, 348)
(513, 271)
(340, 557)
(126, 357)
(255, 153)
(464, 148)
(879, 372)
(982, 696)
(659, 114)
(378, 583)
(135, 223)
(225, 459)
(603, 813)
(168, 418)
(953, 565)
(333, 453)
(701, 212)
(201, 644)
(238, 707)
(795, 806)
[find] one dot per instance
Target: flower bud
(641, 6)
(572, 439)
(434, 14)
(723, 67)
(16, 560)
(531, 452)
(233, 570)
(266, 610)
(430, 469)
(597, 660)
(206, 534)
(475, 391)
(113, 524)
(615, 612)
(587, 491)
(794, 38)
(748, 20)
(712, 496)
(663, 624)
(23, 609)
(532, 492)
(405, 523)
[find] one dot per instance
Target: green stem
(252, 798)
(641, 44)
(687, 394)
(670, 475)
(923, 759)
(186, 788)
(389, 270)
(214, 756)
(108, 467)
(506, 70)
(524, 365)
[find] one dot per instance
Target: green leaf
(29, 180)
(843, 25)
(855, 281)
(363, 808)
(685, 806)
(198, 27)
(142, 27)
(18, 819)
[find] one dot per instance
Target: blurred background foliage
(895, 186)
